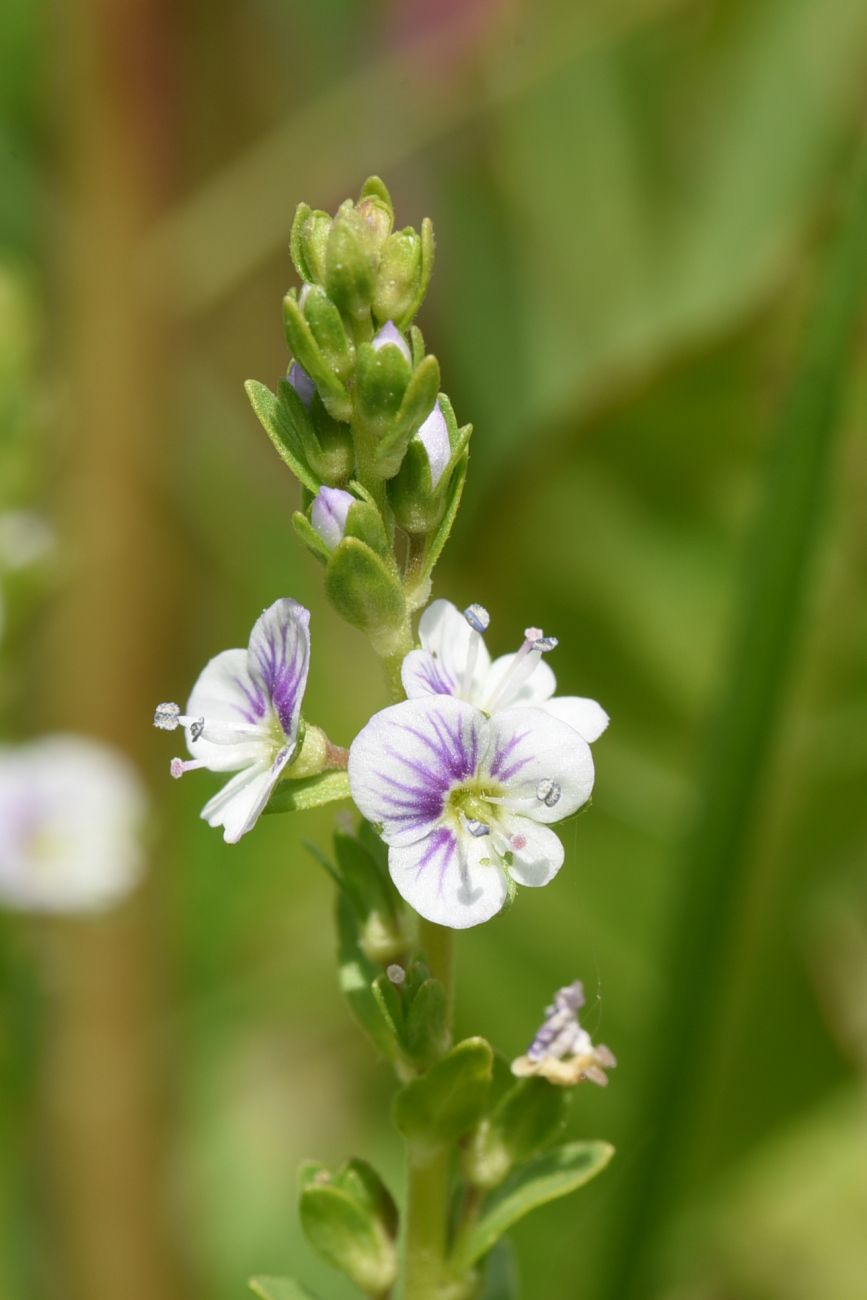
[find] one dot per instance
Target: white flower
(243, 716)
(562, 1052)
(71, 815)
(464, 801)
(328, 514)
(454, 660)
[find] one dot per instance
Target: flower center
(470, 805)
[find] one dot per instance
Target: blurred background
(637, 205)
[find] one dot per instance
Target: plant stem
(427, 1202)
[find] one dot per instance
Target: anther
(548, 792)
(167, 716)
(478, 618)
(176, 767)
(395, 973)
(196, 728)
(545, 643)
(476, 828)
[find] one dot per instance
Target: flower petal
(537, 854)
(448, 878)
(537, 687)
(447, 642)
(403, 764)
(226, 693)
(587, 717)
(240, 803)
(278, 658)
(528, 747)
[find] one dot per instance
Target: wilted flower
(464, 801)
(71, 815)
(454, 660)
(562, 1052)
(243, 716)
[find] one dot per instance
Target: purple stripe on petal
(439, 841)
(499, 766)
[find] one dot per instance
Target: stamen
(395, 973)
(548, 792)
(476, 828)
(179, 766)
(196, 728)
(522, 667)
(478, 618)
(167, 716)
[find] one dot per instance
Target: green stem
(427, 1205)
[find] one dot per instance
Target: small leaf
(274, 419)
(456, 488)
(543, 1179)
(346, 1233)
(308, 792)
(279, 1288)
(427, 1031)
(446, 1102)
(363, 589)
(362, 1181)
(500, 1280)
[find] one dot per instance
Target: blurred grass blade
(776, 572)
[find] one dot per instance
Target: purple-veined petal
(278, 658)
(301, 382)
(390, 334)
(449, 878)
(226, 694)
(530, 753)
(537, 854)
(403, 764)
(434, 436)
(328, 514)
(240, 803)
(539, 686)
(587, 717)
(448, 643)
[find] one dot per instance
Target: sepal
(526, 1119)
(308, 353)
(277, 415)
(308, 242)
(349, 266)
(416, 405)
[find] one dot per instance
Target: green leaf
(529, 1116)
(362, 588)
(418, 401)
(308, 792)
(446, 1102)
(328, 330)
(346, 1233)
(274, 418)
(307, 352)
(423, 281)
(279, 1288)
(500, 1279)
(441, 536)
(547, 1177)
(363, 1182)
(356, 976)
(427, 1030)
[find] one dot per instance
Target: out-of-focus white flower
(25, 539)
(72, 812)
(244, 715)
(562, 1052)
(454, 660)
(465, 802)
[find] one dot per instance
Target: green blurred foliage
(630, 201)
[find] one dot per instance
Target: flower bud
(403, 275)
(348, 264)
(328, 514)
(418, 491)
(308, 242)
(302, 383)
(391, 335)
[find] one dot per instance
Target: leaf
(346, 1232)
(357, 974)
(279, 1288)
(446, 1102)
(442, 534)
(362, 588)
(308, 792)
(427, 1029)
(543, 1179)
(274, 419)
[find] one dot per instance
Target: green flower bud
(308, 242)
(349, 265)
(403, 275)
